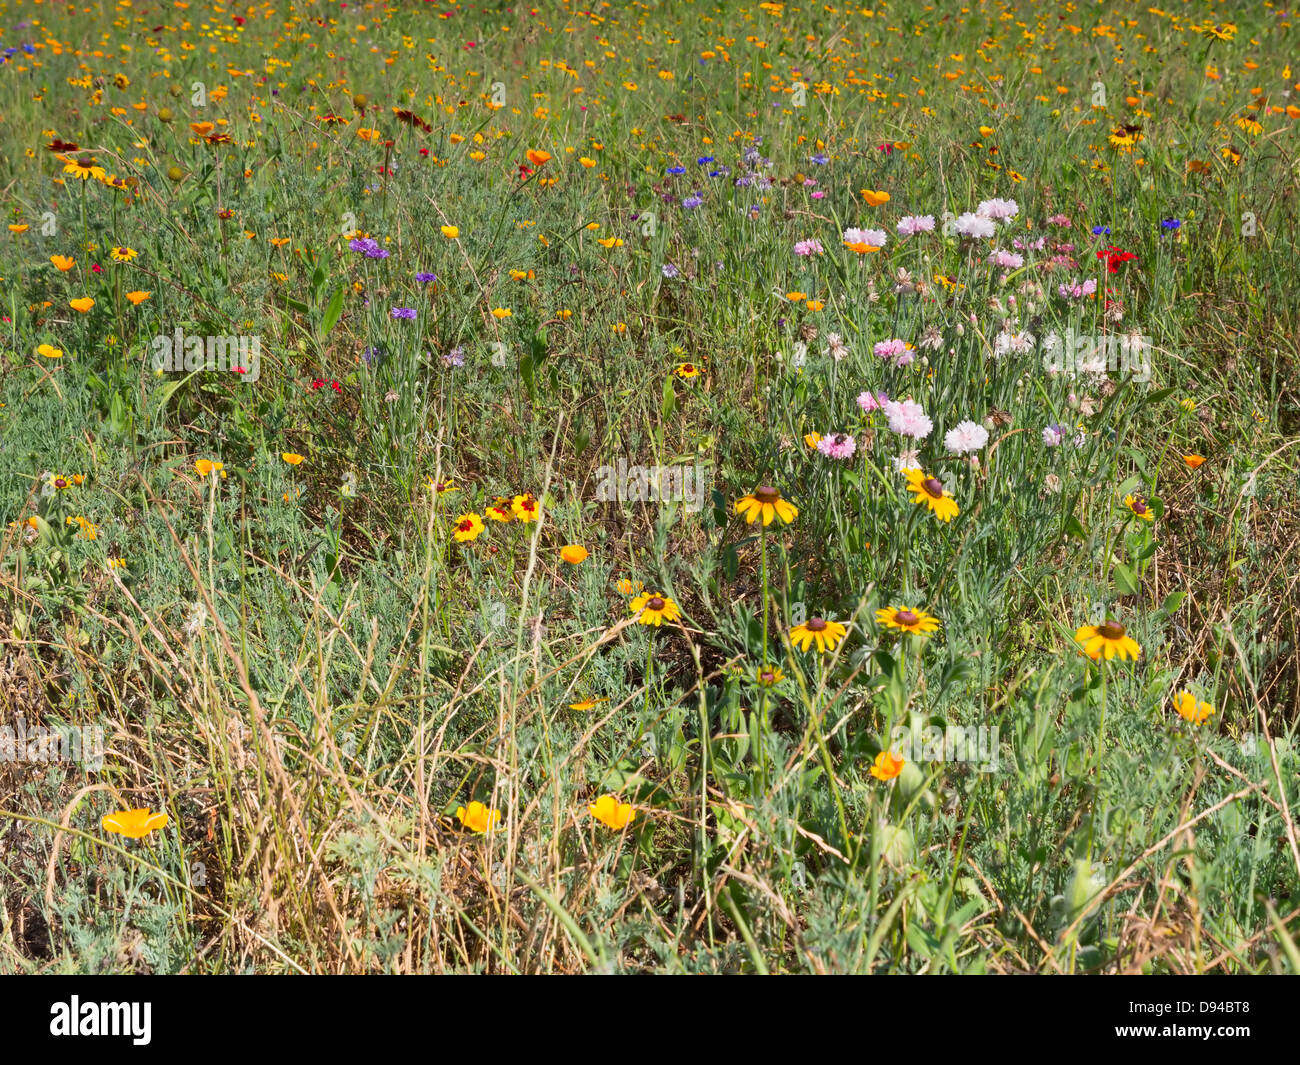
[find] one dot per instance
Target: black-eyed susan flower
(612, 813)
(1109, 640)
(687, 370)
(768, 676)
(765, 502)
(122, 254)
(478, 817)
(468, 526)
(655, 608)
(930, 492)
(1192, 710)
(1139, 507)
(134, 824)
(83, 167)
(887, 765)
(908, 619)
(826, 634)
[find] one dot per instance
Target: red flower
(1114, 256)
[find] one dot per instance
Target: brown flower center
(767, 676)
(766, 494)
(815, 625)
(1139, 507)
(933, 487)
(656, 604)
(906, 617)
(1112, 630)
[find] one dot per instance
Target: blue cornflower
(404, 312)
(821, 158)
(1171, 223)
(670, 271)
(1098, 231)
(704, 160)
(693, 201)
(677, 170)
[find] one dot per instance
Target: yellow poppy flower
(887, 765)
(49, 351)
(874, 197)
(81, 304)
(478, 818)
(1192, 710)
(134, 824)
(138, 297)
(450, 232)
(63, 262)
(573, 554)
(291, 458)
(206, 466)
(612, 813)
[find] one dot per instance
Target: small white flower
(964, 437)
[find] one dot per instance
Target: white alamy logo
(180, 353)
(652, 484)
(79, 1018)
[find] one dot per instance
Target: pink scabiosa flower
(808, 247)
(965, 437)
(1008, 260)
(872, 401)
(912, 224)
(974, 227)
(1060, 220)
(998, 210)
(907, 418)
(839, 446)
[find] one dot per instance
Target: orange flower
(573, 554)
(537, 157)
(1193, 461)
(138, 297)
(612, 813)
(887, 765)
(63, 262)
(134, 824)
(82, 304)
(291, 458)
(875, 198)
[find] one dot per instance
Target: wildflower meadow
(651, 487)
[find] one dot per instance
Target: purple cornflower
(425, 279)
(408, 313)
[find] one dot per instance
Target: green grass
(305, 670)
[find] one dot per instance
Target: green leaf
(332, 314)
(1126, 580)
(670, 398)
